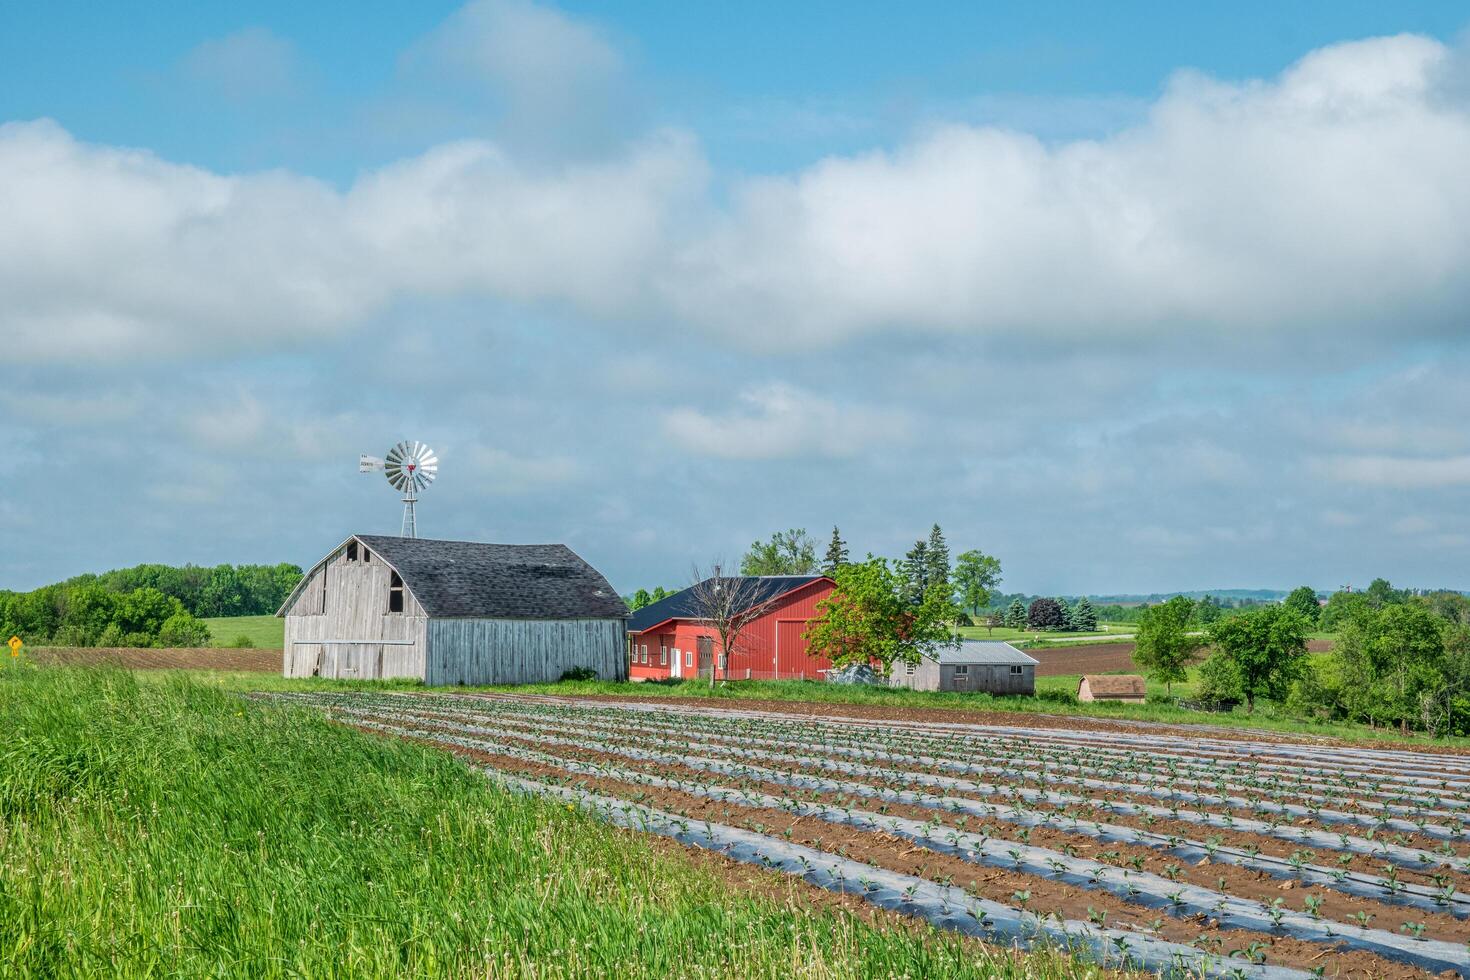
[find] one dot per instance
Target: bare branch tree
(727, 605)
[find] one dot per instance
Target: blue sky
(1136, 296)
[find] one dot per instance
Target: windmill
(410, 467)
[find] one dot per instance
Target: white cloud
(1398, 472)
(115, 253)
(249, 64)
(1332, 198)
(1412, 524)
(778, 421)
(558, 78)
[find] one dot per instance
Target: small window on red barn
(395, 593)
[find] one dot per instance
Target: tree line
(146, 605)
(1400, 659)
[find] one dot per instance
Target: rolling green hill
(263, 631)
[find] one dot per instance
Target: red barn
(667, 639)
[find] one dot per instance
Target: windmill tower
(410, 467)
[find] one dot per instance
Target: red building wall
(770, 648)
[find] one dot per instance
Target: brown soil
(995, 884)
(143, 658)
(1088, 658)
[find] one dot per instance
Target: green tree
(836, 555)
(976, 575)
(1163, 646)
(1391, 658)
(870, 618)
(183, 630)
(639, 600)
(144, 611)
(915, 569)
(790, 552)
(1016, 615)
(1266, 647)
(936, 561)
(1084, 616)
(1380, 593)
(1207, 610)
(1303, 602)
(1342, 608)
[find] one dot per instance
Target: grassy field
(171, 828)
(266, 632)
(1104, 633)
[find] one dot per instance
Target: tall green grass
(174, 829)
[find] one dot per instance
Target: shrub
(579, 674)
(1057, 697)
(1220, 680)
(183, 630)
(242, 642)
(963, 619)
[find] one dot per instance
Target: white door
(676, 666)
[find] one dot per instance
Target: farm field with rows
(1225, 857)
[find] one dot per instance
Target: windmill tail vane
(409, 467)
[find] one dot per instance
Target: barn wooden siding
(340, 626)
(522, 651)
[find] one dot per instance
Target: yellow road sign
(15, 646)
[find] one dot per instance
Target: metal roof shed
(989, 666)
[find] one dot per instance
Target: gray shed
(991, 666)
(452, 612)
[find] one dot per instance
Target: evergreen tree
(936, 558)
(1066, 612)
(1016, 615)
(916, 571)
(1084, 616)
(836, 553)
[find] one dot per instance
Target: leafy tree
(639, 600)
(870, 618)
(1207, 610)
(1380, 593)
(1266, 647)
(976, 575)
(1343, 608)
(916, 571)
(1084, 617)
(1015, 616)
(1303, 602)
(790, 552)
(183, 630)
(145, 610)
(1044, 614)
(1391, 658)
(936, 561)
(1452, 607)
(1163, 647)
(836, 553)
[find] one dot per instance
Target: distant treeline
(147, 605)
(1208, 608)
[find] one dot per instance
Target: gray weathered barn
(453, 612)
(991, 666)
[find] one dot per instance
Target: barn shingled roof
(990, 652)
(498, 581)
(1114, 685)
(681, 605)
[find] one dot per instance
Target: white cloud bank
(1331, 197)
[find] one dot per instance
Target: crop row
(1170, 875)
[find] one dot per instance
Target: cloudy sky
(1134, 298)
